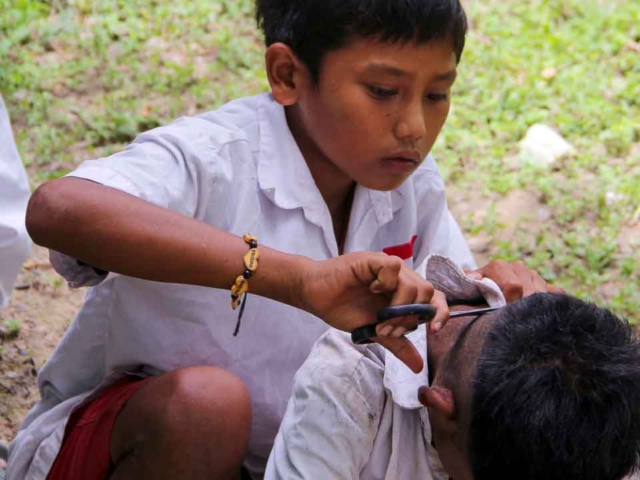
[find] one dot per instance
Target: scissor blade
(470, 313)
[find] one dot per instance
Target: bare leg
(191, 424)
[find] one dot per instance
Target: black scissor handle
(363, 335)
(424, 310)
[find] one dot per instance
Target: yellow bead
(249, 238)
(251, 259)
(240, 287)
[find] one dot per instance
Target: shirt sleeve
(438, 233)
(173, 166)
(177, 167)
(333, 415)
(15, 243)
(76, 273)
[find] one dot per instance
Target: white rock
(543, 146)
(611, 198)
(544, 214)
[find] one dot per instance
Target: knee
(196, 418)
(210, 396)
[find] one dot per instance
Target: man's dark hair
(314, 27)
(556, 394)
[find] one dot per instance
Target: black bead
(247, 274)
(253, 244)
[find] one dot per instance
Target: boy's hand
(346, 292)
(515, 279)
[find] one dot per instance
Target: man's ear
(285, 73)
(439, 399)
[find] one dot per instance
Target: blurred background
(82, 77)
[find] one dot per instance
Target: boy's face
(376, 110)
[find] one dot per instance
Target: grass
(573, 65)
(82, 77)
(10, 328)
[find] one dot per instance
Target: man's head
(365, 83)
(547, 388)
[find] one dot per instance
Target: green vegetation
(10, 328)
(82, 77)
(573, 65)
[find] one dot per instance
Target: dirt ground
(43, 306)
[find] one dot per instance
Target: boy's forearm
(120, 233)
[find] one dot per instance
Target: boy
(149, 381)
(546, 388)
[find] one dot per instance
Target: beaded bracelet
(240, 288)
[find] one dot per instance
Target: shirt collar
(282, 171)
(284, 176)
(448, 277)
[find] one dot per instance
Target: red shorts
(85, 453)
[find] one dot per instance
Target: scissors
(365, 334)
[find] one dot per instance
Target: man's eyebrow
(385, 68)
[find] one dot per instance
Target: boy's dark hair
(556, 394)
(314, 27)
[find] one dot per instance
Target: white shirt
(237, 168)
(354, 411)
(15, 243)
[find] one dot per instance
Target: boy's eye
(381, 93)
(438, 97)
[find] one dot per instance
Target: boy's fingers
(405, 294)
(530, 280)
(516, 280)
(397, 327)
(503, 274)
(404, 350)
(555, 289)
(541, 285)
(412, 288)
(386, 271)
(439, 301)
(391, 327)
(426, 291)
(473, 274)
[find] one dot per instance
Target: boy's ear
(439, 399)
(285, 73)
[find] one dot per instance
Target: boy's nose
(411, 126)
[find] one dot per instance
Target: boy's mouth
(402, 162)
(406, 155)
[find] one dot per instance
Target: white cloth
(237, 168)
(354, 411)
(15, 243)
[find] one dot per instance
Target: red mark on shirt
(404, 251)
